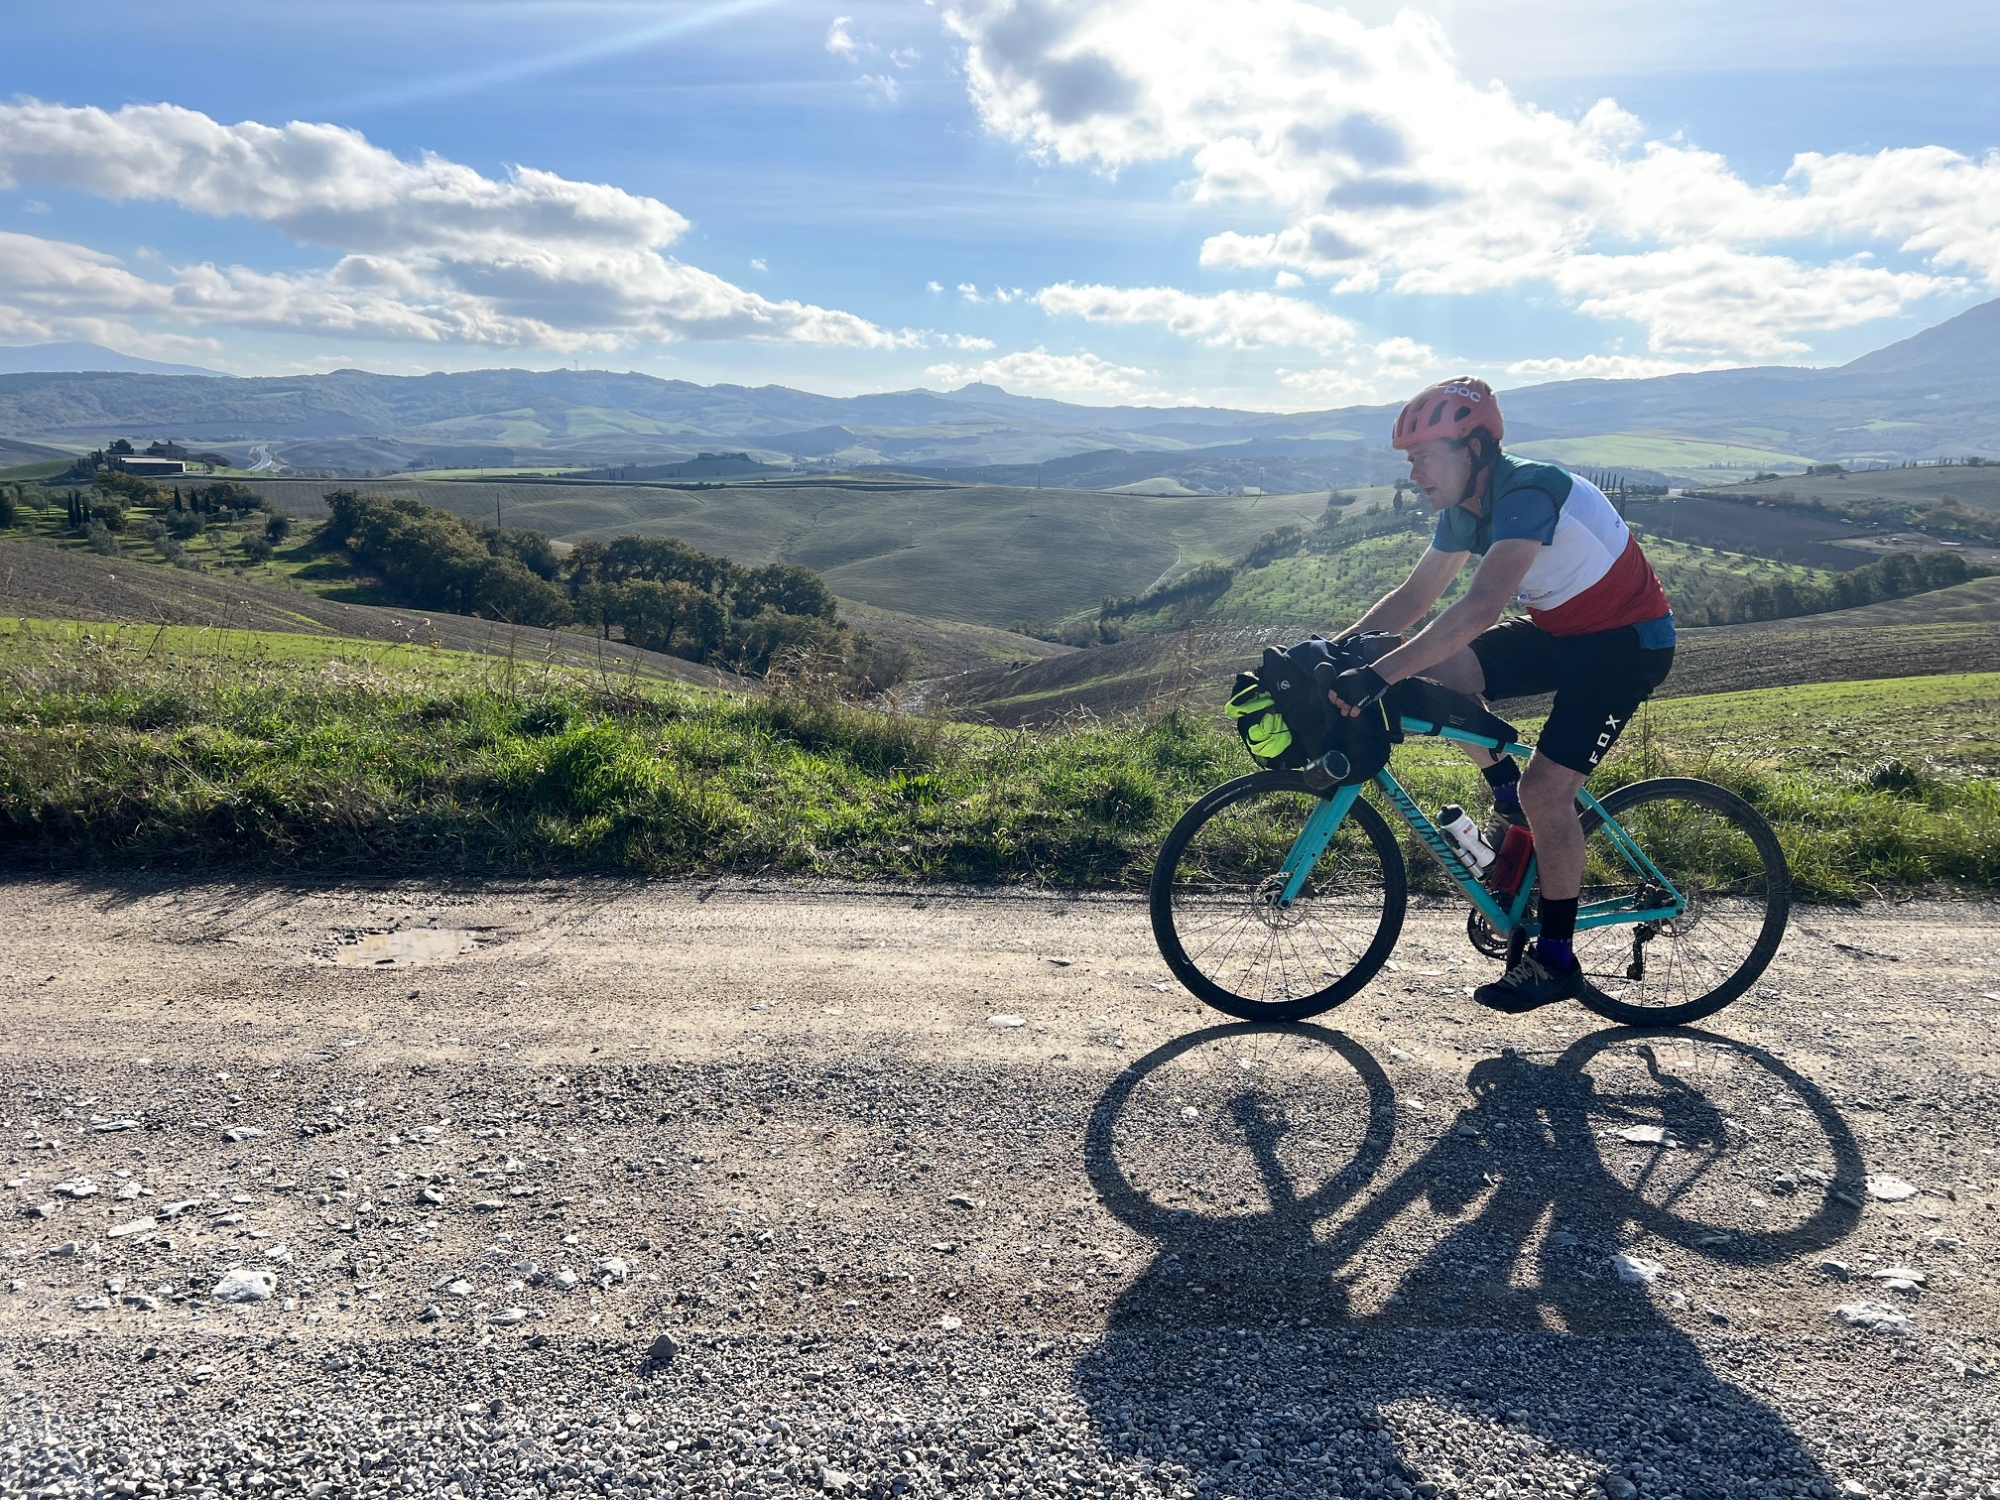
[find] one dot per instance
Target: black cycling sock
(1558, 928)
(1502, 772)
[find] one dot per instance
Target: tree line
(657, 592)
(1897, 576)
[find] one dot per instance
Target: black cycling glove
(1358, 687)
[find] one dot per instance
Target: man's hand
(1355, 689)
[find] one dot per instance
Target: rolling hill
(980, 554)
(43, 582)
(1925, 396)
(1951, 630)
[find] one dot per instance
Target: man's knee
(1549, 787)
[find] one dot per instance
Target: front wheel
(1723, 858)
(1216, 907)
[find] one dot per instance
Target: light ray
(475, 80)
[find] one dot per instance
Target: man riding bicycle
(1599, 635)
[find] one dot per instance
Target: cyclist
(1599, 634)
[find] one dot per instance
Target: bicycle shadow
(1338, 1341)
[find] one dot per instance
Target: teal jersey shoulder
(1525, 500)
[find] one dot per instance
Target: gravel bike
(1278, 896)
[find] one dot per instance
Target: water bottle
(1456, 825)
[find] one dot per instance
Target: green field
(982, 554)
(1714, 462)
(206, 652)
(1974, 486)
(277, 751)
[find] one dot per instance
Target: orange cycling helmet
(1450, 409)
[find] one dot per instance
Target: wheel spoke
(1716, 852)
(1219, 913)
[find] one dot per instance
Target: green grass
(46, 468)
(297, 564)
(123, 746)
(212, 653)
(1872, 786)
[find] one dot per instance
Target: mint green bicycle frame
(1326, 819)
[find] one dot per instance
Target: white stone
(1643, 1135)
(1005, 1023)
(1636, 1270)
(1874, 1317)
(611, 1268)
(137, 1226)
(505, 1316)
(1889, 1189)
(76, 1187)
(240, 1133)
(242, 1285)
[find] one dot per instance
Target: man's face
(1441, 469)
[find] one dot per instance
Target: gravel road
(706, 1190)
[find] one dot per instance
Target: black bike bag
(1447, 708)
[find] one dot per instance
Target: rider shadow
(1263, 1353)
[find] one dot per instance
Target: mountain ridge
(1892, 405)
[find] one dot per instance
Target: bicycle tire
(1241, 899)
(1764, 896)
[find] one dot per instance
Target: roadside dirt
(718, 1189)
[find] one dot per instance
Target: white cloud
(933, 286)
(842, 42)
(969, 290)
(1066, 377)
(1602, 367)
(1379, 373)
(1390, 168)
(1236, 320)
(429, 250)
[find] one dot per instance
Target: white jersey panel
(1590, 537)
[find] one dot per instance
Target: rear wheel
(1723, 858)
(1216, 911)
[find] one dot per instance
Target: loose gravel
(720, 1191)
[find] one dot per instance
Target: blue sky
(1270, 204)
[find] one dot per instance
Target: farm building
(146, 466)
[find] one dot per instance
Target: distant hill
(1927, 396)
(20, 358)
(1951, 630)
(979, 554)
(1961, 345)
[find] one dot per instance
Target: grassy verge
(231, 748)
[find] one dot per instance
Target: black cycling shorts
(1599, 681)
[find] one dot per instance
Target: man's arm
(1499, 576)
(1405, 604)
(1500, 573)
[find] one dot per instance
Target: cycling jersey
(1590, 575)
